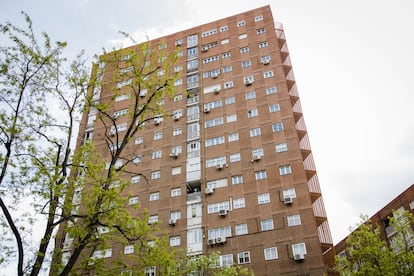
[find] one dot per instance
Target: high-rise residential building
(232, 170)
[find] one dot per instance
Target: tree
(368, 254)
(82, 193)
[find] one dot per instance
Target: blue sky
(353, 64)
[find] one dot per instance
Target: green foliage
(368, 254)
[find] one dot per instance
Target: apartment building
(232, 169)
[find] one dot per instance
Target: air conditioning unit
(216, 91)
(219, 166)
(209, 191)
(174, 154)
(176, 117)
(206, 109)
(143, 93)
(299, 257)
(256, 158)
(204, 49)
(288, 200)
(223, 212)
(172, 222)
(214, 75)
(221, 240)
(211, 241)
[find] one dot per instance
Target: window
(135, 179)
(161, 73)
(281, 147)
(263, 198)
(192, 65)
(237, 179)
(155, 175)
(153, 219)
(157, 136)
(122, 97)
(260, 174)
(227, 69)
(231, 118)
(126, 70)
(175, 170)
(214, 141)
(101, 254)
(192, 40)
(250, 95)
(241, 23)
(210, 59)
(213, 122)
(216, 207)
(208, 33)
(225, 41)
(259, 152)
(217, 183)
(284, 170)
(233, 137)
(268, 74)
(241, 229)
(246, 63)
(235, 157)
(224, 28)
(243, 257)
(156, 154)
(213, 105)
(150, 271)
(175, 241)
(225, 55)
(263, 44)
(120, 112)
(177, 149)
(177, 131)
(223, 232)
(260, 31)
(215, 161)
(227, 260)
(252, 113)
(255, 132)
(271, 90)
(133, 200)
(228, 85)
(277, 127)
(248, 80)
(267, 224)
(242, 36)
(274, 108)
(265, 59)
(128, 249)
(175, 215)
(270, 253)
(175, 192)
(178, 82)
(230, 100)
(294, 220)
(291, 193)
(239, 203)
(244, 50)
(178, 68)
(299, 248)
(258, 18)
(160, 102)
(121, 84)
(154, 196)
(162, 46)
(179, 42)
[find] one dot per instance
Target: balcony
(193, 100)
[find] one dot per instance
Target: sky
(353, 64)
